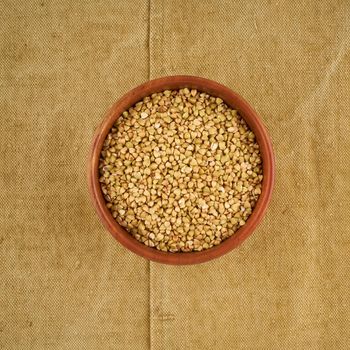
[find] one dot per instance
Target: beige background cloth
(65, 283)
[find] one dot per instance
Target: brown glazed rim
(233, 100)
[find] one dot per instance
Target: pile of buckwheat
(181, 171)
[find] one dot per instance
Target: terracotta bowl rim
(233, 100)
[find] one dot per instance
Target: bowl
(233, 100)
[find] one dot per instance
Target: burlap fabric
(67, 284)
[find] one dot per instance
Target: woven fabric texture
(65, 283)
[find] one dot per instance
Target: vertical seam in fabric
(149, 39)
(149, 262)
(150, 304)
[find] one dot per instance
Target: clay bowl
(230, 98)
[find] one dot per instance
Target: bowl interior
(231, 99)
